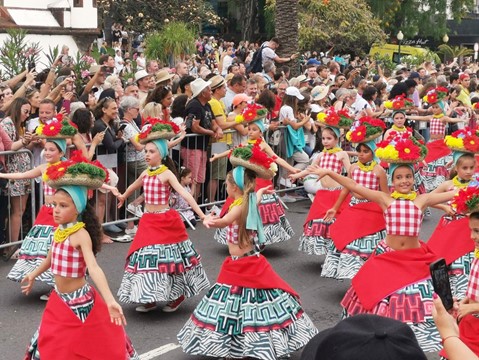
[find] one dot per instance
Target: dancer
(162, 263)
(250, 311)
(361, 226)
(276, 225)
(37, 242)
(395, 281)
(316, 239)
(439, 155)
(77, 322)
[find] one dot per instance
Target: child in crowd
(77, 322)
(178, 202)
(250, 311)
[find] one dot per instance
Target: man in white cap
(142, 79)
(200, 121)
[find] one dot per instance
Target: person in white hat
(142, 79)
(200, 121)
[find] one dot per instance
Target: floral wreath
(365, 129)
(466, 201)
(465, 140)
(77, 170)
(331, 117)
(433, 96)
(253, 158)
(400, 102)
(56, 128)
(157, 129)
(401, 148)
(251, 112)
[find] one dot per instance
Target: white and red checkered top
(67, 261)
(403, 218)
(472, 291)
(47, 190)
(331, 162)
(232, 233)
(156, 193)
(437, 127)
(367, 179)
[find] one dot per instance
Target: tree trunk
(249, 19)
(286, 30)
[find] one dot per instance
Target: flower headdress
(157, 129)
(433, 96)
(475, 106)
(57, 128)
(333, 118)
(253, 158)
(365, 129)
(401, 148)
(464, 140)
(77, 171)
(251, 112)
(400, 102)
(466, 201)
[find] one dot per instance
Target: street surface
(154, 333)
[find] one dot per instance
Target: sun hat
(319, 92)
(157, 129)
(302, 78)
(163, 75)
(141, 75)
(401, 148)
(365, 337)
(229, 76)
(253, 158)
(217, 81)
(239, 98)
(198, 86)
(294, 91)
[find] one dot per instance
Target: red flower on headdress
(432, 98)
(466, 199)
(332, 117)
(358, 134)
(407, 150)
(398, 103)
(249, 115)
(260, 157)
(52, 129)
(56, 171)
(471, 143)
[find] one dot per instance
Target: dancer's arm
(175, 184)
(131, 189)
(29, 279)
(217, 222)
(30, 174)
(280, 161)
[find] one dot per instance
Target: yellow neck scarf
(365, 167)
(60, 235)
(158, 171)
(334, 150)
(476, 253)
(458, 184)
(397, 195)
(438, 116)
(398, 129)
(237, 202)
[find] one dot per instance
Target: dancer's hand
(28, 280)
(121, 200)
(116, 314)
(330, 215)
(209, 219)
(445, 322)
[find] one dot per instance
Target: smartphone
(31, 65)
(440, 282)
(122, 127)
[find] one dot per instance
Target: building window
(93, 3)
(77, 3)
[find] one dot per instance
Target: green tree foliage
(348, 25)
(147, 15)
(171, 44)
(451, 52)
(426, 18)
(16, 53)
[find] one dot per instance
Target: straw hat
(319, 92)
(198, 86)
(141, 75)
(251, 157)
(217, 81)
(157, 129)
(163, 75)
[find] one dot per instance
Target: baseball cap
(294, 91)
(365, 337)
(238, 99)
(414, 75)
(313, 61)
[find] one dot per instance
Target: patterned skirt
(237, 322)
(162, 272)
(459, 271)
(435, 173)
(411, 305)
(81, 302)
(275, 224)
(33, 251)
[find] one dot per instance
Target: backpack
(256, 64)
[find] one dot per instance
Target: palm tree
(450, 52)
(286, 29)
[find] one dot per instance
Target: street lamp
(399, 36)
(476, 49)
(445, 39)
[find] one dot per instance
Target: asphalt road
(154, 334)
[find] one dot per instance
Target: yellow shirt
(219, 109)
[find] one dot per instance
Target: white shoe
(286, 182)
(146, 308)
(122, 238)
(215, 210)
(288, 199)
(135, 210)
(131, 231)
